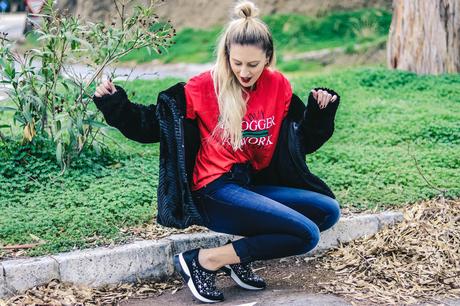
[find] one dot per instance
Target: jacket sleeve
(135, 121)
(317, 125)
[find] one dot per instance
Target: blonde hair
(244, 29)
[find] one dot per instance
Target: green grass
(366, 162)
(388, 118)
(299, 65)
(291, 33)
(192, 46)
(92, 200)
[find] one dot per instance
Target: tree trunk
(425, 36)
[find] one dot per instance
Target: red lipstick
(245, 80)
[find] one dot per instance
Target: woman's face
(247, 63)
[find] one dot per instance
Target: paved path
(148, 71)
(235, 296)
(3, 95)
(143, 72)
(13, 24)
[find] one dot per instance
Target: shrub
(50, 99)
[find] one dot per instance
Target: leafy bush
(51, 99)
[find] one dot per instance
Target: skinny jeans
(276, 221)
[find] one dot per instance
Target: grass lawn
(385, 120)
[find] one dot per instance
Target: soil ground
(290, 281)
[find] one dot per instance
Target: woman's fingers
(102, 90)
(328, 99)
(105, 88)
(108, 86)
(323, 97)
(112, 87)
(315, 94)
(99, 93)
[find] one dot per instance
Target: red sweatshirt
(267, 106)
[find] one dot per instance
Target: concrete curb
(152, 259)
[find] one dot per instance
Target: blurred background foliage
(291, 33)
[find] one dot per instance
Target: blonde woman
(232, 157)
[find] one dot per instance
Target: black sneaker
(201, 281)
(242, 274)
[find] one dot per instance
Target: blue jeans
(275, 221)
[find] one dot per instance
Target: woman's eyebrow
(252, 62)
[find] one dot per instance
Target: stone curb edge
(152, 259)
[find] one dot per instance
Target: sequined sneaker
(201, 281)
(242, 274)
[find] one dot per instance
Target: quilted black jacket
(303, 131)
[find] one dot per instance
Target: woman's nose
(244, 73)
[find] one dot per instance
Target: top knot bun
(246, 9)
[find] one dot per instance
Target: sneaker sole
(179, 261)
(240, 283)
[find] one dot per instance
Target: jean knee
(333, 214)
(309, 240)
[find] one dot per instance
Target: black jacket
(303, 131)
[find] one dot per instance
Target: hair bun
(246, 9)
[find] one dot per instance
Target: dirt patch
(300, 273)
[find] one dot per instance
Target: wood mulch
(418, 260)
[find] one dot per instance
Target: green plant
(365, 27)
(52, 100)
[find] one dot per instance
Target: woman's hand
(106, 88)
(323, 97)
